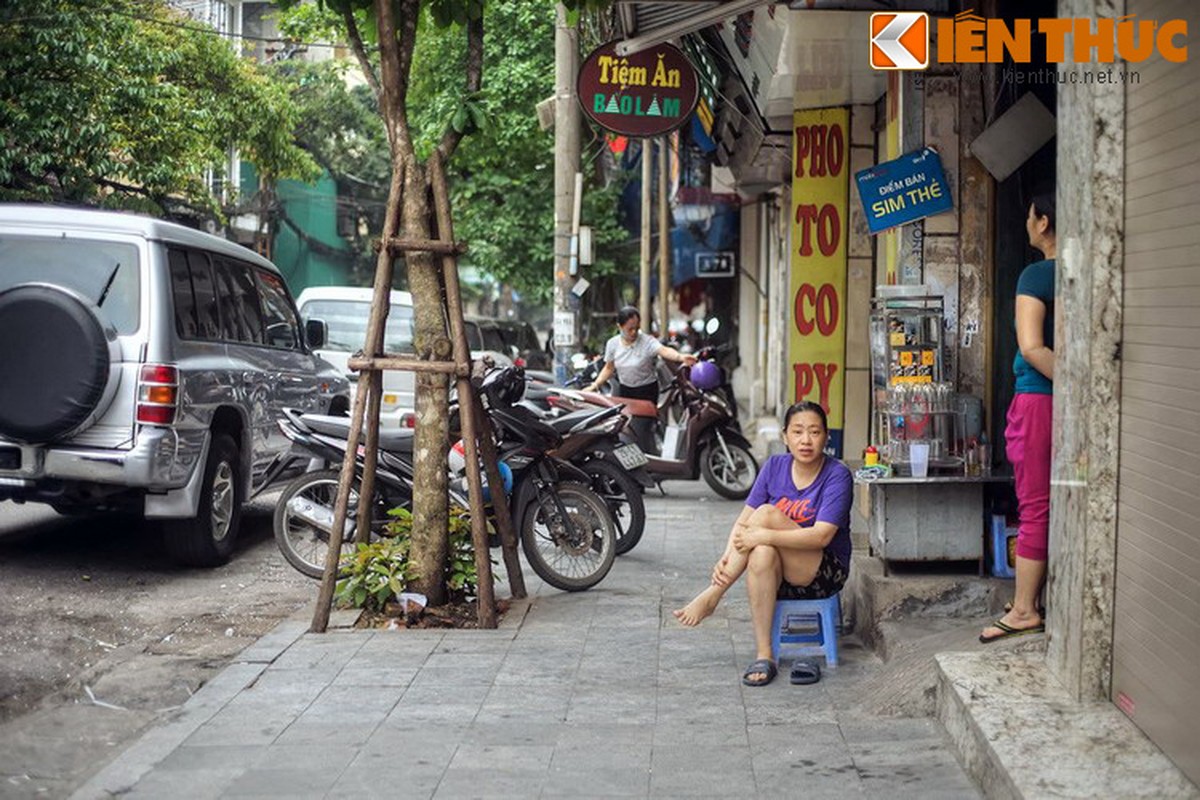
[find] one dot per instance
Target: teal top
(1037, 280)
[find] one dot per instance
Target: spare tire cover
(54, 362)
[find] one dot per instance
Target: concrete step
(1021, 735)
(922, 593)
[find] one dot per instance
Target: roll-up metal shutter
(1156, 656)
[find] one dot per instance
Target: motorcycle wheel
(624, 498)
(572, 554)
(303, 543)
(732, 477)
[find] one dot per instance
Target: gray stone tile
(417, 751)
(604, 734)
(198, 784)
(674, 734)
(352, 704)
(916, 780)
(821, 769)
(612, 706)
(286, 782)
(372, 676)
(701, 771)
(573, 782)
(467, 784)
(793, 735)
(898, 729)
(382, 784)
(414, 716)
(538, 669)
(501, 757)
(332, 756)
(454, 669)
(430, 691)
(402, 648)
(317, 731)
(241, 729)
(320, 654)
(491, 730)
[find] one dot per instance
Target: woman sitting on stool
(793, 536)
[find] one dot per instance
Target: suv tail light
(158, 394)
(408, 420)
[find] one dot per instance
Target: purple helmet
(706, 375)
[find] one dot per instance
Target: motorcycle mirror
(712, 326)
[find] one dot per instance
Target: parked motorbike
(567, 531)
(591, 441)
(691, 431)
(304, 513)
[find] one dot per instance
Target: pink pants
(1028, 439)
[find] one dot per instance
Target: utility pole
(644, 308)
(566, 165)
(664, 238)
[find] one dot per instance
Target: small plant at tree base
(461, 578)
(373, 574)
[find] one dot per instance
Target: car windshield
(520, 335)
(104, 273)
(492, 339)
(347, 321)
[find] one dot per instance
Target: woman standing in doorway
(634, 355)
(1029, 426)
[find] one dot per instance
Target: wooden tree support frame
(476, 428)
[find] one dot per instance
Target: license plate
(630, 456)
(10, 458)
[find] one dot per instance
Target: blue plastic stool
(807, 626)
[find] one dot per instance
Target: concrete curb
(123, 772)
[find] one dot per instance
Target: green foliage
(373, 574)
(128, 103)
(461, 576)
(502, 175)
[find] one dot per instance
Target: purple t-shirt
(826, 499)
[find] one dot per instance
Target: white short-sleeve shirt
(636, 364)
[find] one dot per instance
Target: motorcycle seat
(394, 440)
(638, 408)
(566, 422)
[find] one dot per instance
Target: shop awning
(647, 24)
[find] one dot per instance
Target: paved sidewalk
(594, 694)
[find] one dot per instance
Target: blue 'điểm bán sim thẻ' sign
(905, 190)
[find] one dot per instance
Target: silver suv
(144, 365)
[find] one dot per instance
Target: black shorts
(831, 577)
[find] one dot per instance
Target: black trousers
(647, 391)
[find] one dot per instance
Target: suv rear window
(241, 315)
(105, 273)
(347, 322)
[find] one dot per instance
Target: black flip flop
(1008, 631)
(763, 666)
(805, 672)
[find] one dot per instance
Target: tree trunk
(430, 543)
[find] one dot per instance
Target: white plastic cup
(918, 453)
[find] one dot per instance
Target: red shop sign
(647, 93)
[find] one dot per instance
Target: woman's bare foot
(701, 607)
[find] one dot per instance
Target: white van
(345, 310)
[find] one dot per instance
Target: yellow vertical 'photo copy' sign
(820, 200)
